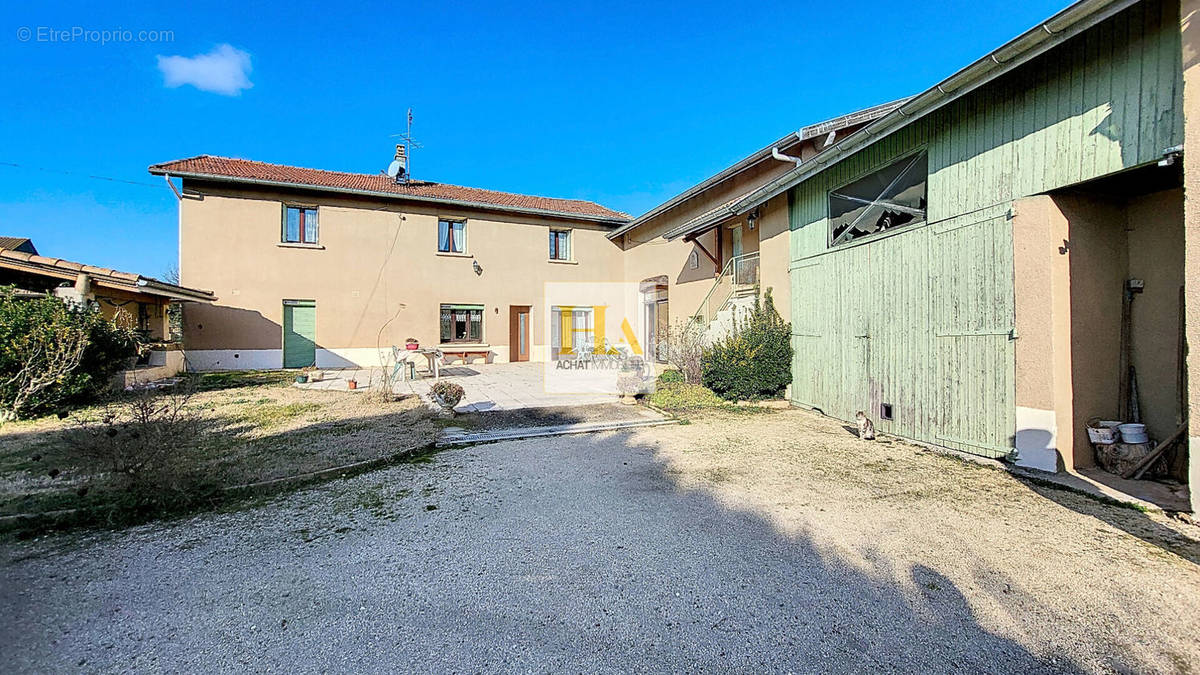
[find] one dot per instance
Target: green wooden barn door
(810, 310)
(852, 274)
(973, 321)
(299, 333)
(899, 329)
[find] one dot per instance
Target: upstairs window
(452, 236)
(300, 225)
(891, 197)
(462, 323)
(560, 244)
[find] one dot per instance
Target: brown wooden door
(518, 333)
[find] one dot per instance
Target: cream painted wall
(1156, 257)
(375, 261)
(648, 255)
(1068, 310)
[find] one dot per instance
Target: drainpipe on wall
(785, 158)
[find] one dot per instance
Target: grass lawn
(683, 400)
(255, 427)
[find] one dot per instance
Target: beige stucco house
(334, 268)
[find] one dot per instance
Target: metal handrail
(739, 271)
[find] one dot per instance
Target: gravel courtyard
(765, 542)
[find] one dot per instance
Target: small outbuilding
(143, 301)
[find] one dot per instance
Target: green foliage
(29, 331)
(755, 360)
(670, 376)
(681, 396)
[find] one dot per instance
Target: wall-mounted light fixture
(478, 269)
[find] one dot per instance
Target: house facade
(332, 269)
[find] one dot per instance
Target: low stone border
(10, 522)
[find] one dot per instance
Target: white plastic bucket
(1133, 433)
(1103, 432)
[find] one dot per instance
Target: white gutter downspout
(785, 158)
(174, 189)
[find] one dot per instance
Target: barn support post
(1190, 53)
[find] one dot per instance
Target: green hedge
(25, 322)
(755, 360)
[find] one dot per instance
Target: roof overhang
(1031, 44)
(804, 134)
(287, 185)
(701, 223)
(106, 279)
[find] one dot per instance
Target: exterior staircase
(730, 299)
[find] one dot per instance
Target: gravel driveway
(654, 550)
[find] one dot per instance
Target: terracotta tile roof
(67, 269)
(243, 169)
(18, 244)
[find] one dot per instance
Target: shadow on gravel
(570, 554)
(552, 416)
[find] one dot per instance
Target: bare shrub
(46, 359)
(685, 348)
(147, 442)
(385, 390)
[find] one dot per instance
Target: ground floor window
(571, 329)
(462, 323)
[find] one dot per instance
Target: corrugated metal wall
(921, 317)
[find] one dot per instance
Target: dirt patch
(1052, 569)
(257, 428)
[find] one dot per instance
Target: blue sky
(622, 103)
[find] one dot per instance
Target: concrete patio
(486, 387)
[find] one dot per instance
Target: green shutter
(299, 333)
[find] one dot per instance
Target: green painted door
(299, 333)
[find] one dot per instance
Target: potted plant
(302, 376)
(352, 384)
(411, 344)
(447, 395)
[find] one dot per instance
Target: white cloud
(224, 70)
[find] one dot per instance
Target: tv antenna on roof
(399, 168)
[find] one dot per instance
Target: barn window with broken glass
(891, 197)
